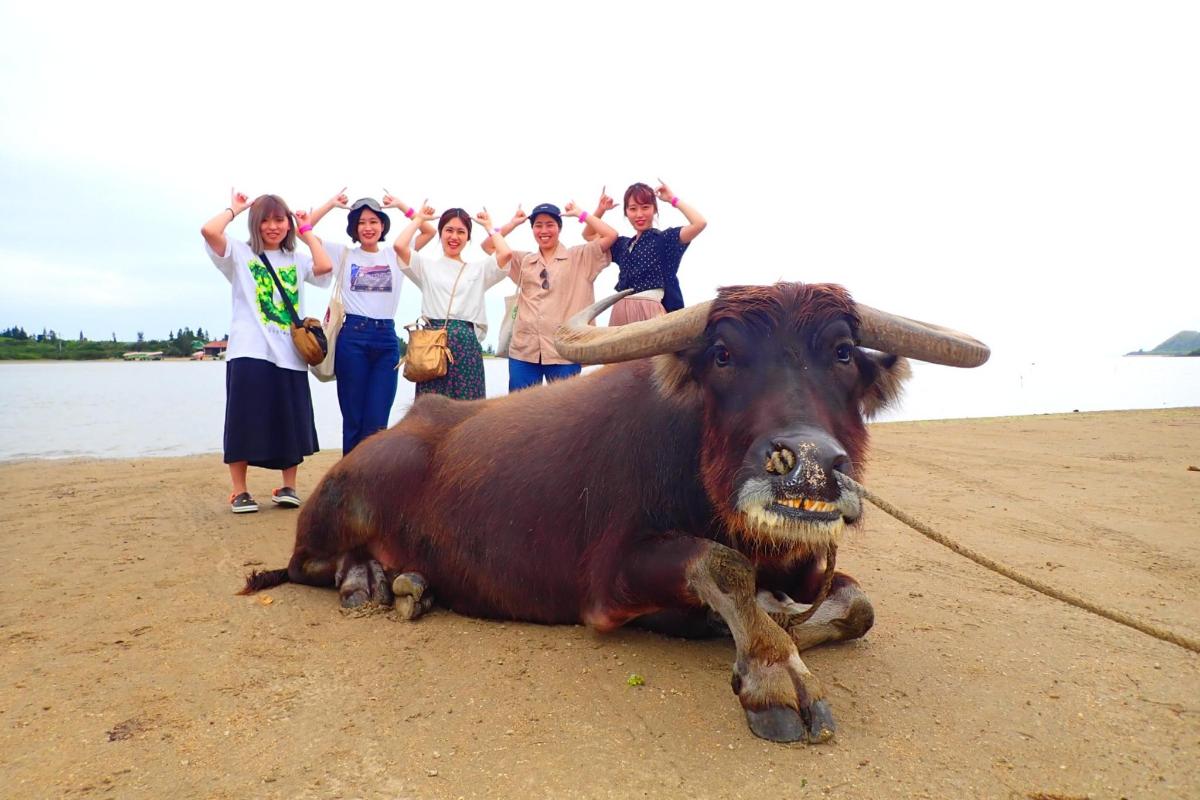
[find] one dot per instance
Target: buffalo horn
(891, 333)
(579, 341)
(583, 343)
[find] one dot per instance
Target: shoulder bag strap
(453, 289)
(341, 273)
(286, 300)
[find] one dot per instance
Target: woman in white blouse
(452, 291)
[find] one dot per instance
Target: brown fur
(616, 494)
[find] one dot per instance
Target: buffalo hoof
(819, 722)
(780, 724)
(784, 724)
(363, 582)
(413, 597)
(767, 693)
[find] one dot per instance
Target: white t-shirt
(435, 278)
(370, 281)
(261, 326)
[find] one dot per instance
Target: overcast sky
(1026, 172)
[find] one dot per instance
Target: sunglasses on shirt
(545, 276)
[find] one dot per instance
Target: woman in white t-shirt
(452, 292)
(367, 348)
(268, 408)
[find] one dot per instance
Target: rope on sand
(1165, 635)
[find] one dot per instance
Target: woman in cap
(649, 260)
(367, 348)
(554, 282)
(268, 408)
(452, 291)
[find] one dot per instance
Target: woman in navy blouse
(649, 260)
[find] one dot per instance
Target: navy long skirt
(268, 414)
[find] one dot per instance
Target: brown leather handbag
(428, 356)
(307, 334)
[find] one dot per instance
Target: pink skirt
(634, 310)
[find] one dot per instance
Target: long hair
(264, 207)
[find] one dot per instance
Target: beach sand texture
(130, 669)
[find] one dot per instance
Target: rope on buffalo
(1165, 635)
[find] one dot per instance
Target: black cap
(546, 208)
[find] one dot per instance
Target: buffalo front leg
(782, 700)
(845, 614)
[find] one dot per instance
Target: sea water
(61, 409)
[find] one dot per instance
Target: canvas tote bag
(335, 316)
(428, 356)
(506, 327)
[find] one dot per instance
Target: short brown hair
(264, 207)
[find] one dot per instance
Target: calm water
(121, 410)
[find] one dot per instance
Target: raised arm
(404, 239)
(304, 232)
(339, 200)
(519, 218)
(495, 239)
(213, 231)
(602, 233)
(696, 221)
(606, 204)
(427, 230)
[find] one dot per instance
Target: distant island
(1184, 343)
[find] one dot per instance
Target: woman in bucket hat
(367, 349)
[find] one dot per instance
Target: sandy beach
(132, 670)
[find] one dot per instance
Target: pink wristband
(582, 216)
(410, 213)
(674, 202)
(304, 229)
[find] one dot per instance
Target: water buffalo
(696, 477)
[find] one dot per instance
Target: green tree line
(17, 344)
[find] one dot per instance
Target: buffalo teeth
(808, 505)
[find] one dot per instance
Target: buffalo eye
(844, 352)
(721, 355)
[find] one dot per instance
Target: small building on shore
(215, 350)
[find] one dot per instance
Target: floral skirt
(464, 379)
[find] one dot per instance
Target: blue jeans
(526, 373)
(365, 366)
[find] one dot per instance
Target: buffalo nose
(806, 461)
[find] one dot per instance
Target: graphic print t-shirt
(261, 326)
(370, 281)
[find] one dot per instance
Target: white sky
(1025, 171)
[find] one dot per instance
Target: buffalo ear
(674, 374)
(883, 376)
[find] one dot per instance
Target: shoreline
(80, 459)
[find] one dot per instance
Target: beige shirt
(570, 274)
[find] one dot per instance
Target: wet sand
(131, 669)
